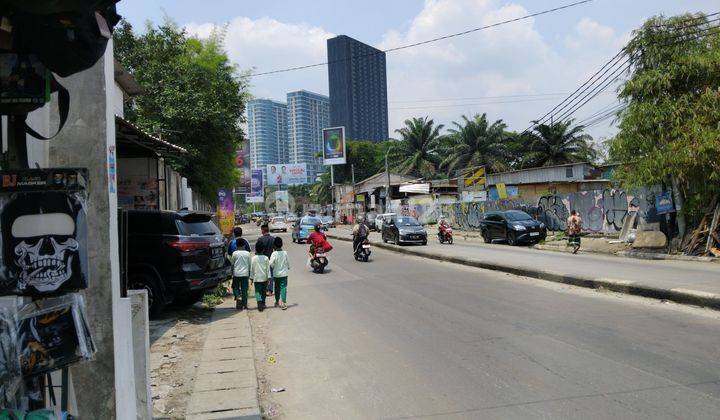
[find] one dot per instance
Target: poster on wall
(43, 221)
(334, 146)
(256, 187)
(664, 202)
(287, 174)
(138, 193)
(242, 162)
(226, 211)
(474, 178)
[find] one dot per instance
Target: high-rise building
(358, 89)
(308, 114)
(268, 132)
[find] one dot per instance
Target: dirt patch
(265, 358)
(176, 342)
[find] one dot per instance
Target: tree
(320, 191)
(367, 157)
(194, 97)
(415, 153)
(557, 143)
(475, 142)
(670, 129)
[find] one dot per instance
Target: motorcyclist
(360, 233)
(317, 240)
(443, 225)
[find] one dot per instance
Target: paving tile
(228, 399)
(229, 380)
(226, 354)
(219, 366)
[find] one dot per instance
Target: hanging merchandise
(52, 333)
(24, 83)
(10, 374)
(44, 231)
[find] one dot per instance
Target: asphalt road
(405, 337)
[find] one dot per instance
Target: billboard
(256, 187)
(334, 146)
(242, 162)
(287, 174)
(226, 211)
(282, 199)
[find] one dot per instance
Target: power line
(402, 47)
(529, 95)
(598, 80)
(476, 104)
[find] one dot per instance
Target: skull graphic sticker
(43, 242)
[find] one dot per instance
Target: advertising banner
(256, 187)
(226, 211)
(242, 161)
(287, 174)
(44, 231)
(664, 202)
(334, 146)
(281, 201)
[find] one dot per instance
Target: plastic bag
(53, 333)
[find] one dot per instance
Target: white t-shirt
(260, 268)
(280, 263)
(240, 260)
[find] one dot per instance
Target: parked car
(379, 220)
(291, 218)
(242, 219)
(328, 221)
(513, 226)
(175, 256)
(277, 224)
(303, 228)
(403, 230)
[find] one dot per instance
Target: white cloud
(266, 44)
(513, 59)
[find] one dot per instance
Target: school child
(259, 272)
(240, 261)
(280, 265)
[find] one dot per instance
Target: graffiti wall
(601, 210)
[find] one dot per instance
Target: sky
(516, 72)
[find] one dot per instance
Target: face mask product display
(52, 334)
(44, 231)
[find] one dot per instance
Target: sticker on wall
(112, 169)
(43, 226)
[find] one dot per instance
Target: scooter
(319, 261)
(446, 236)
(362, 252)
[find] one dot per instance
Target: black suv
(513, 226)
(175, 256)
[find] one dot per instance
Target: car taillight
(189, 246)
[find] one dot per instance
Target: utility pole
(332, 191)
(387, 186)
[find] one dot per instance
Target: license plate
(216, 252)
(534, 233)
(319, 255)
(366, 246)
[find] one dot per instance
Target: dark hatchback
(513, 226)
(175, 256)
(403, 230)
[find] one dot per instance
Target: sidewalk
(696, 283)
(226, 385)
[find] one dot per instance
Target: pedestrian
(259, 273)
(280, 266)
(240, 261)
(574, 227)
(238, 242)
(267, 241)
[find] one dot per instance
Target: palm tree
(557, 144)
(415, 152)
(320, 191)
(475, 142)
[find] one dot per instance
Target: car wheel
(156, 303)
(486, 237)
(511, 239)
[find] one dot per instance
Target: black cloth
(268, 243)
(357, 240)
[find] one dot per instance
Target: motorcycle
(362, 252)
(446, 236)
(319, 261)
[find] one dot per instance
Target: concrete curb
(683, 296)
(633, 253)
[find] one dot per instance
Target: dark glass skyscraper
(358, 89)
